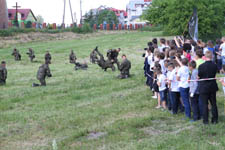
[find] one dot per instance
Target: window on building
(10, 15)
(22, 15)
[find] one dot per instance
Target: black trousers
(206, 98)
(2, 82)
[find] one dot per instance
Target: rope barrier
(198, 80)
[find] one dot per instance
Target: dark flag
(193, 25)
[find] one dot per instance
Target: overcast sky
(52, 10)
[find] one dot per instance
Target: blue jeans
(219, 64)
(195, 107)
(223, 60)
(163, 95)
(184, 93)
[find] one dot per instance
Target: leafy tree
(40, 19)
(100, 17)
(174, 16)
(108, 16)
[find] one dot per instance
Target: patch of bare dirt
(37, 37)
(96, 135)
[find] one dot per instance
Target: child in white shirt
(182, 77)
(162, 87)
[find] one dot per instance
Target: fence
(95, 26)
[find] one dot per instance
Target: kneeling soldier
(30, 53)
(43, 72)
(72, 57)
(124, 68)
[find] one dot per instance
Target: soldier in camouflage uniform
(48, 58)
(31, 55)
(16, 54)
(102, 63)
(43, 72)
(124, 68)
(81, 66)
(3, 73)
(93, 57)
(72, 57)
(113, 56)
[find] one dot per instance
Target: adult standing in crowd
(208, 89)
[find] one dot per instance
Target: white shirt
(162, 47)
(183, 73)
(163, 68)
(151, 62)
(162, 79)
(174, 82)
(223, 49)
(205, 50)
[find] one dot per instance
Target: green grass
(77, 103)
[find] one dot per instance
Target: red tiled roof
(25, 13)
(117, 12)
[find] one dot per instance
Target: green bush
(5, 33)
(14, 30)
(151, 28)
(82, 30)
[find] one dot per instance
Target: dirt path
(36, 36)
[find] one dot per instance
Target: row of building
(131, 15)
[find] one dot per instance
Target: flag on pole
(193, 25)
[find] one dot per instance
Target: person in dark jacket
(48, 58)
(72, 57)
(124, 68)
(3, 73)
(31, 55)
(208, 89)
(16, 54)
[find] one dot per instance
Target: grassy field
(93, 110)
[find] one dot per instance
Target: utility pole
(71, 12)
(17, 24)
(3, 15)
(81, 16)
(64, 12)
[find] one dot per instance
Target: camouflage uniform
(3, 75)
(43, 71)
(72, 58)
(112, 56)
(93, 57)
(81, 66)
(30, 53)
(16, 55)
(104, 64)
(48, 58)
(125, 69)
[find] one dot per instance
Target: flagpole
(187, 24)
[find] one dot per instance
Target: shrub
(82, 30)
(151, 28)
